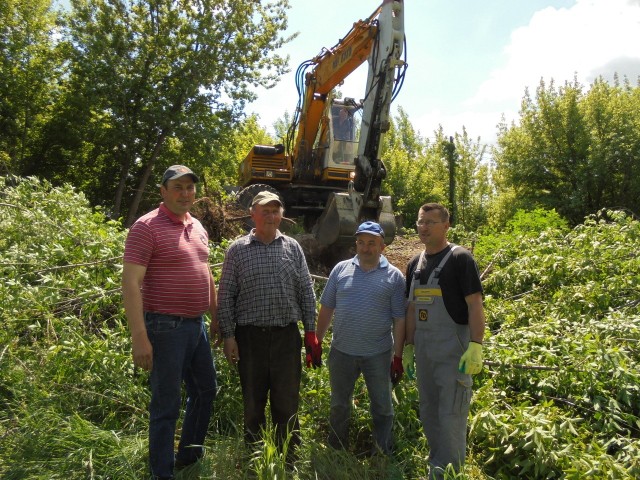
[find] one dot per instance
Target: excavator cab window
(342, 124)
(344, 135)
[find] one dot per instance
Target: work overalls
(444, 392)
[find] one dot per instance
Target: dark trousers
(270, 367)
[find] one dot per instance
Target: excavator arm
(326, 173)
(384, 64)
(364, 201)
(331, 67)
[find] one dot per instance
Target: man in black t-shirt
(445, 321)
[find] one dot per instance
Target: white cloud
(561, 43)
(592, 38)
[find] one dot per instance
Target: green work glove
(471, 360)
(408, 359)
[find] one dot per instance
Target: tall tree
(281, 127)
(572, 151)
(612, 118)
(27, 70)
(148, 74)
(472, 182)
(415, 169)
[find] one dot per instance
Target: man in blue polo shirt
(365, 297)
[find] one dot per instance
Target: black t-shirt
(459, 277)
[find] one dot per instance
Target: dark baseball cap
(176, 171)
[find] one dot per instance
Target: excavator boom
(332, 66)
(329, 171)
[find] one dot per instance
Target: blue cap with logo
(370, 227)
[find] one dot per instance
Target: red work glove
(314, 350)
(396, 370)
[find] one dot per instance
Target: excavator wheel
(245, 196)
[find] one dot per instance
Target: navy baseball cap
(370, 227)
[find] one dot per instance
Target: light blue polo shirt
(365, 305)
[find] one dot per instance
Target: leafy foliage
(419, 172)
(567, 303)
(414, 168)
(573, 151)
(64, 356)
(133, 87)
(559, 397)
(29, 61)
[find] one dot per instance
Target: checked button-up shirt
(265, 285)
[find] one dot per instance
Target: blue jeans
(344, 370)
(181, 352)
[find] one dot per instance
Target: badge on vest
(423, 314)
(426, 295)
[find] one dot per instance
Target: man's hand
(408, 361)
(142, 351)
(396, 370)
(215, 335)
(471, 360)
(313, 349)
(231, 350)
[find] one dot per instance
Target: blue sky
(470, 60)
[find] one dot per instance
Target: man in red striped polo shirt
(167, 287)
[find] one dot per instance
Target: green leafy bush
(558, 398)
(564, 316)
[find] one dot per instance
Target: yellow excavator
(329, 172)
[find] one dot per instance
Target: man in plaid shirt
(264, 291)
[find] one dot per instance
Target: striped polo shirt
(365, 305)
(176, 255)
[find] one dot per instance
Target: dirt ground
(402, 249)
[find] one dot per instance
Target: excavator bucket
(342, 215)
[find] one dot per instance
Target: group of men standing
(265, 289)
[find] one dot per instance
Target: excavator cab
(344, 144)
(337, 145)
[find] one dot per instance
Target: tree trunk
(135, 203)
(124, 172)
